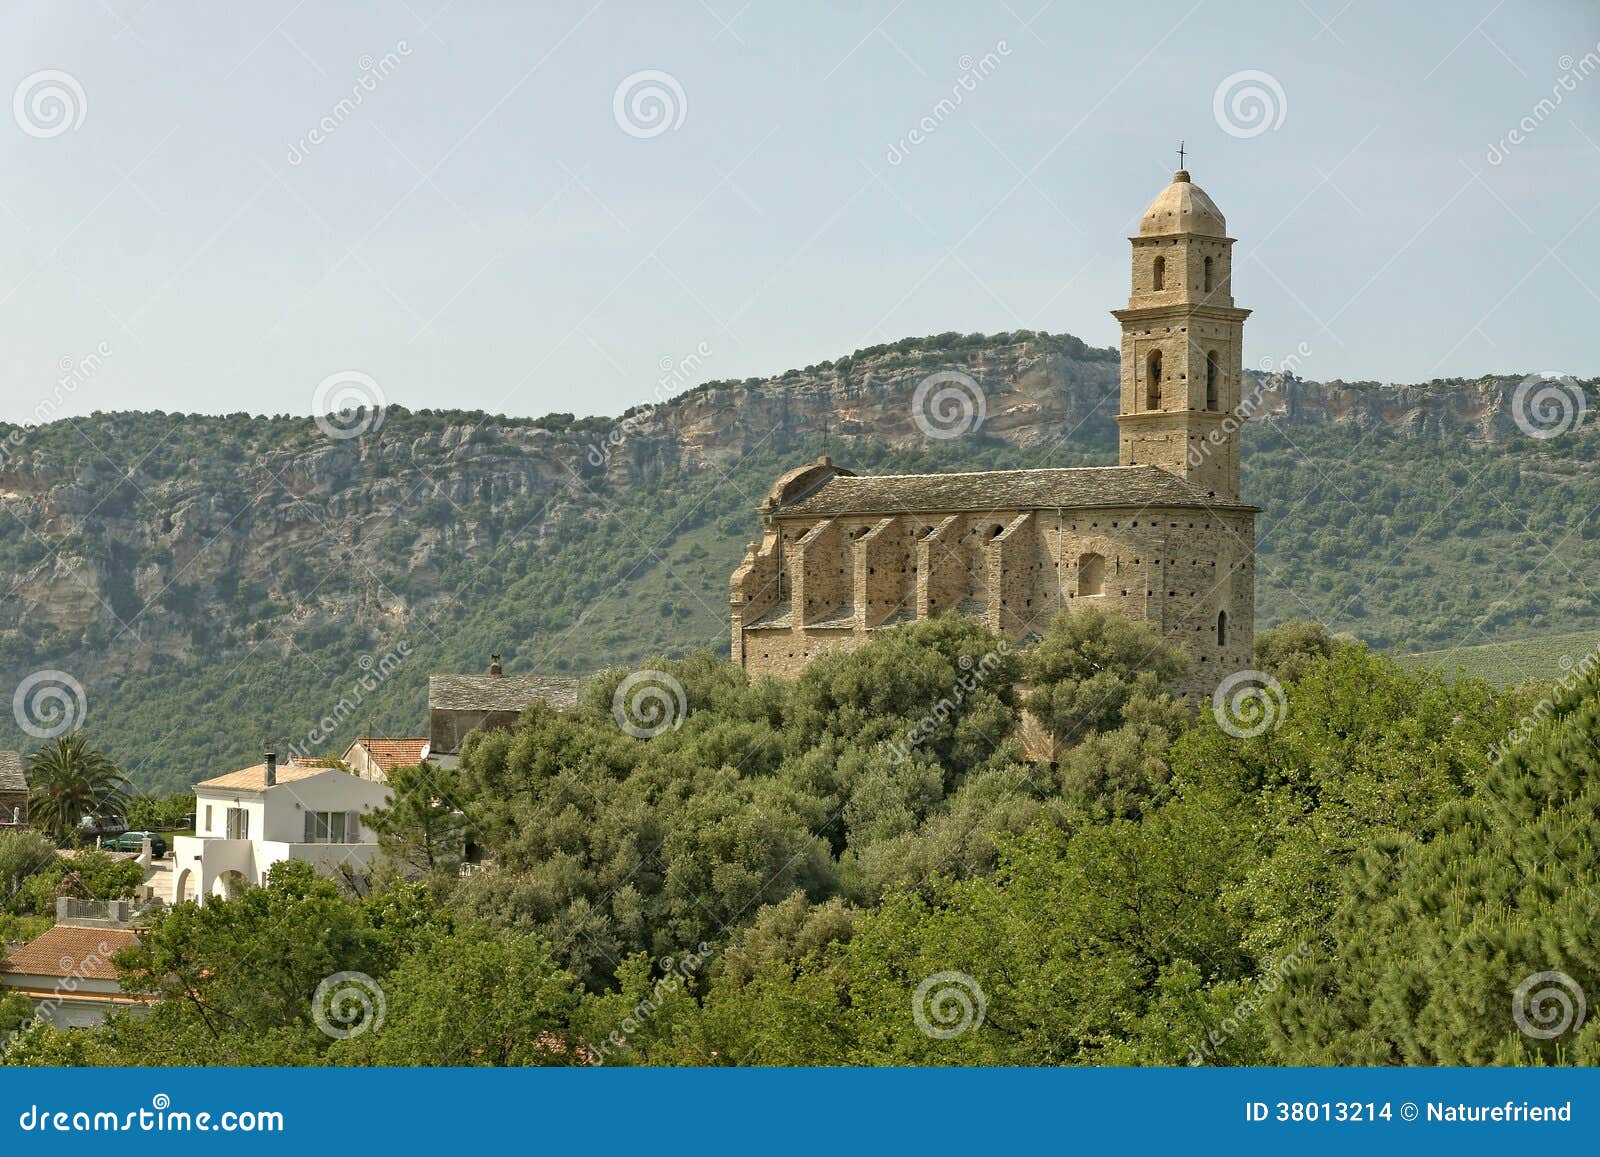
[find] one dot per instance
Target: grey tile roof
(499, 692)
(11, 777)
(1116, 486)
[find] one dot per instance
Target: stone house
(13, 791)
(458, 704)
(1162, 537)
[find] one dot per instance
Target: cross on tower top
(1180, 154)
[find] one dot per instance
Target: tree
(237, 981)
(22, 853)
(1469, 938)
(474, 997)
(161, 813)
(95, 876)
(1358, 749)
(423, 825)
(16, 1011)
(1088, 667)
(70, 779)
(1288, 650)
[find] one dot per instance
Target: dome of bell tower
(1183, 207)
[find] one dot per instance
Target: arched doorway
(183, 889)
(229, 885)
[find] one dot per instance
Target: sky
(528, 208)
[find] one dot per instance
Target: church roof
(1183, 207)
(499, 692)
(1103, 486)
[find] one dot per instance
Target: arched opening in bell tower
(1211, 380)
(1158, 275)
(1152, 381)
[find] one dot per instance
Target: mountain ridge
(167, 561)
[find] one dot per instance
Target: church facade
(1162, 537)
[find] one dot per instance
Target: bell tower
(1182, 344)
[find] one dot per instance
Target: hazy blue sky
(479, 230)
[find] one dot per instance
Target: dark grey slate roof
(1115, 486)
(499, 692)
(11, 777)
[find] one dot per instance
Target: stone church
(1162, 537)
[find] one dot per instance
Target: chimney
(494, 664)
(269, 758)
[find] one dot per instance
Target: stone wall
(844, 577)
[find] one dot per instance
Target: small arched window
(1158, 275)
(1091, 575)
(1152, 381)
(1211, 380)
(1222, 628)
(1208, 274)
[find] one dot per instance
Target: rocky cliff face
(149, 535)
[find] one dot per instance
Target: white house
(248, 820)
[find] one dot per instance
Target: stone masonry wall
(1177, 568)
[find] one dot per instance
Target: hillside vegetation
(213, 580)
(855, 867)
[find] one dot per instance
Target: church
(1162, 537)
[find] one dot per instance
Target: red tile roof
(67, 950)
(389, 754)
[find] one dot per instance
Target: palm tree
(69, 779)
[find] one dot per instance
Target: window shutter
(311, 827)
(352, 828)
